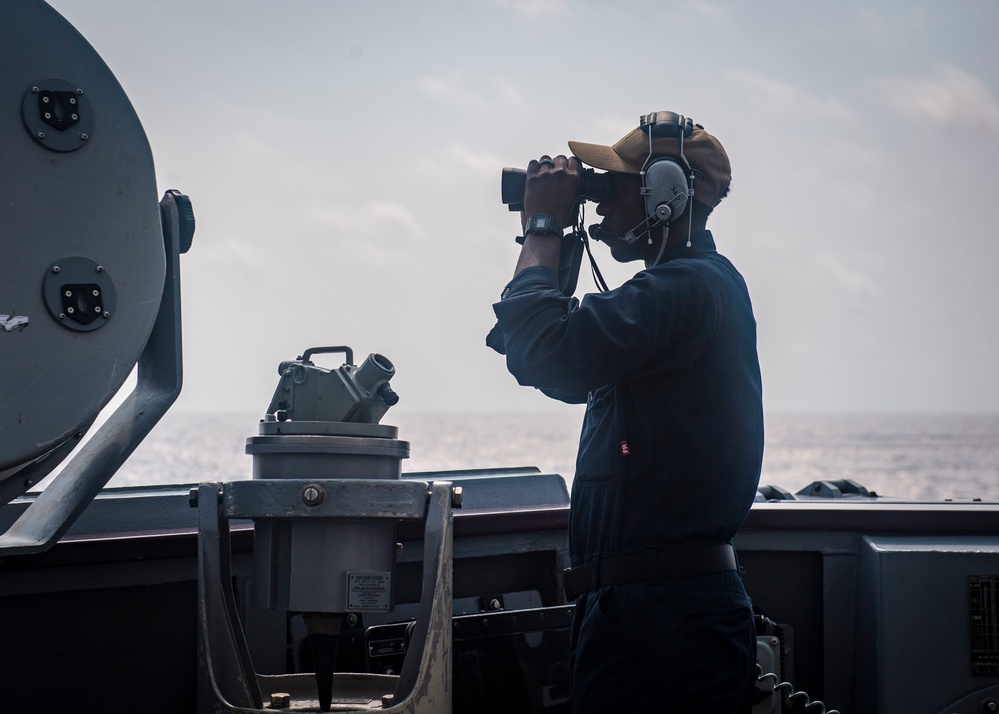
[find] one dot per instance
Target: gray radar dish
(89, 263)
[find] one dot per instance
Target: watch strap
(541, 224)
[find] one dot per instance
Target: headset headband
(669, 125)
(666, 124)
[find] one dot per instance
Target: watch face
(541, 223)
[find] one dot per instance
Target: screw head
(313, 495)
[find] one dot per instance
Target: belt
(680, 562)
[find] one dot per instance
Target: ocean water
(906, 456)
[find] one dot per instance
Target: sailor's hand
(552, 187)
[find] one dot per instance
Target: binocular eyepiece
(593, 187)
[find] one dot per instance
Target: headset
(667, 181)
(667, 190)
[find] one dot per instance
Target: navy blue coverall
(669, 458)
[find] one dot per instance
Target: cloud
(453, 166)
(245, 145)
(508, 92)
(710, 10)
(783, 98)
(948, 97)
(356, 238)
(443, 86)
(228, 254)
(847, 150)
(368, 219)
(537, 9)
(395, 214)
(453, 88)
(480, 162)
(853, 283)
(883, 27)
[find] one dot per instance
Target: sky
(343, 161)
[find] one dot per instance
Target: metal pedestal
(226, 679)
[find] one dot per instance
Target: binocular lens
(512, 184)
(593, 187)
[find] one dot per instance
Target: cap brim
(601, 157)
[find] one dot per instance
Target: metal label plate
(984, 624)
(369, 591)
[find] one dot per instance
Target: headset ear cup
(665, 190)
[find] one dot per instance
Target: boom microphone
(598, 232)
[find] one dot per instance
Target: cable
(662, 248)
(598, 278)
(787, 690)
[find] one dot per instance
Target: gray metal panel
(913, 651)
(97, 203)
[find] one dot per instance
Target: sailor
(672, 441)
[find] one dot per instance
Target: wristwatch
(542, 224)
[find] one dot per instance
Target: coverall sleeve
(660, 320)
